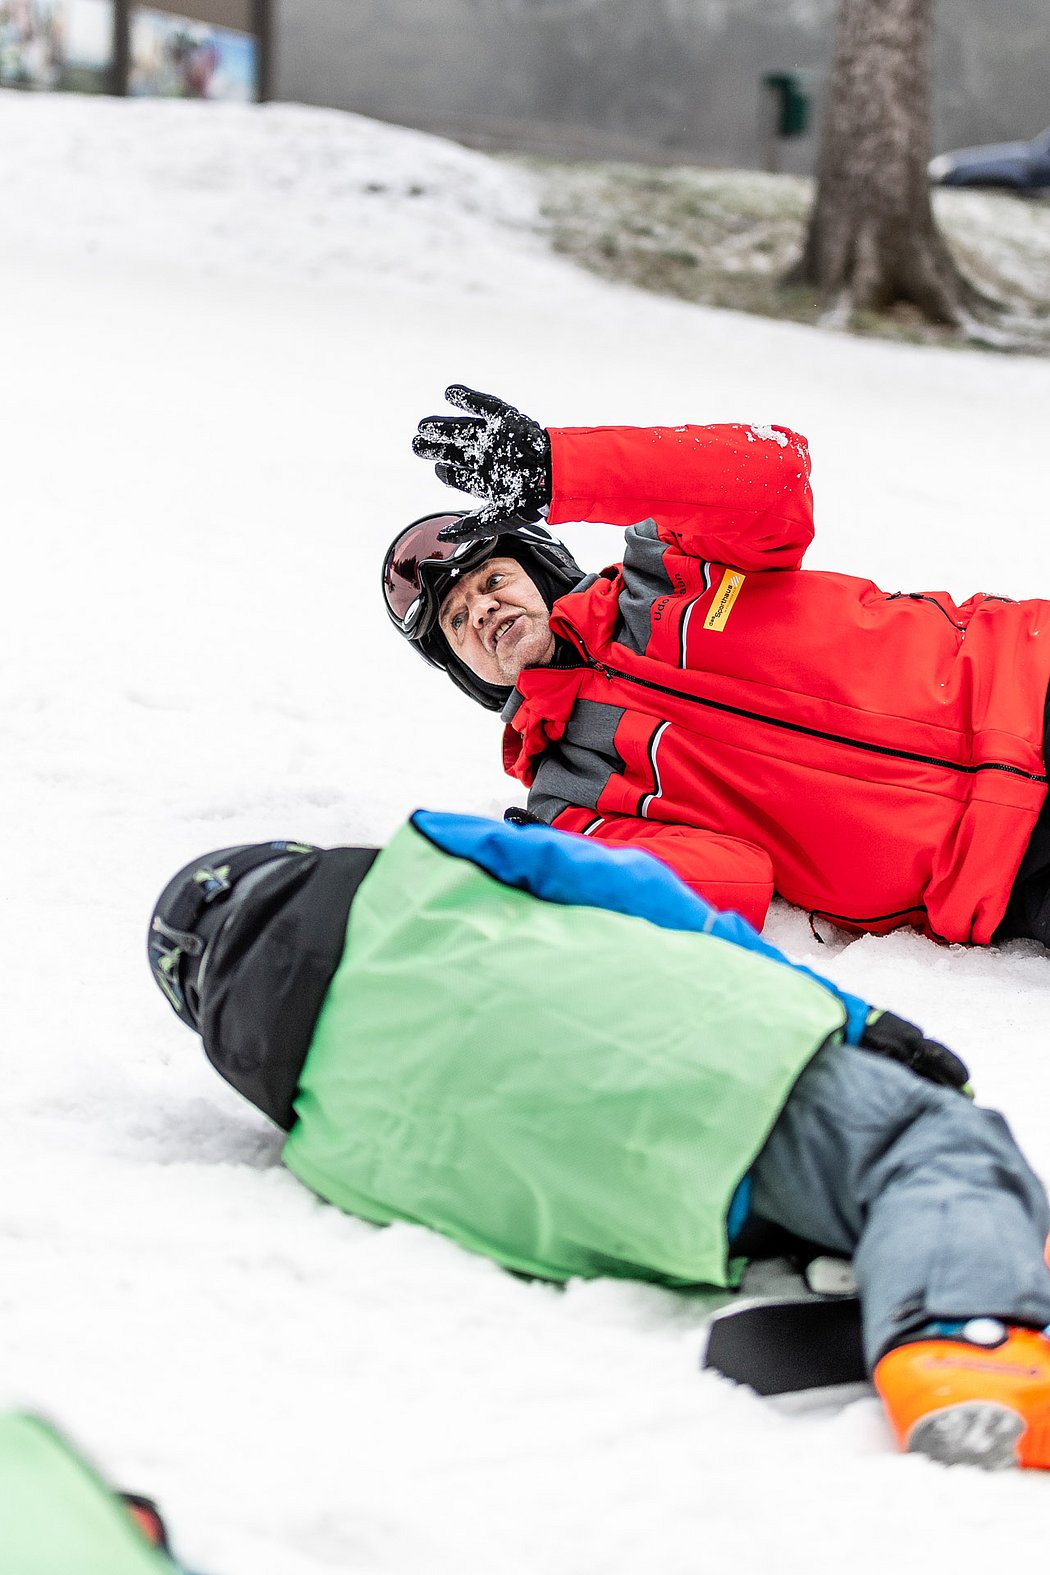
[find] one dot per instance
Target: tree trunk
(872, 240)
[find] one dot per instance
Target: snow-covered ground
(219, 328)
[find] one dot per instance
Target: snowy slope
(220, 326)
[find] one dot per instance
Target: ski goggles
(418, 570)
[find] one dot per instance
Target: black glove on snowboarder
(887, 1034)
(493, 452)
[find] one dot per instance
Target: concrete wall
(993, 70)
(636, 78)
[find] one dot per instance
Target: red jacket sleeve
(735, 495)
(727, 871)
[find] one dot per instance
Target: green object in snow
(57, 1517)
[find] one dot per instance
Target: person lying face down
(557, 1055)
(877, 758)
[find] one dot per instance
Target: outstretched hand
(492, 451)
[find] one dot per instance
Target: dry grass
(728, 237)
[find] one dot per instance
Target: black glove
(893, 1036)
(493, 452)
(516, 816)
(484, 523)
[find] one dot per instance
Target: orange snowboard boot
(977, 1396)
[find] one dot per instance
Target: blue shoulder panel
(559, 867)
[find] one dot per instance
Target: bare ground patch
(727, 238)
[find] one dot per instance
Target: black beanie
(537, 571)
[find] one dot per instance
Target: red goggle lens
(416, 545)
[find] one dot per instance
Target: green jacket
(566, 1089)
(57, 1517)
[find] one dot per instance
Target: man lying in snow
(58, 1518)
(559, 1056)
(877, 759)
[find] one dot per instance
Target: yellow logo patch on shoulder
(726, 594)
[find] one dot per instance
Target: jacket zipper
(922, 596)
(809, 732)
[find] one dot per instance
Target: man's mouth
(501, 628)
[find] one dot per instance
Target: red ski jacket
(876, 758)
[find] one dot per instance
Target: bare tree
(873, 241)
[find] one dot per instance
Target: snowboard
(789, 1344)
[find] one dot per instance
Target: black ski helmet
(418, 571)
(244, 944)
(198, 903)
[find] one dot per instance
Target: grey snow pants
(928, 1193)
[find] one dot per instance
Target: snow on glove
(471, 527)
(492, 451)
(474, 526)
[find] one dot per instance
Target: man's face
(495, 620)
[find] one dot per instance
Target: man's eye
(456, 622)
(492, 581)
